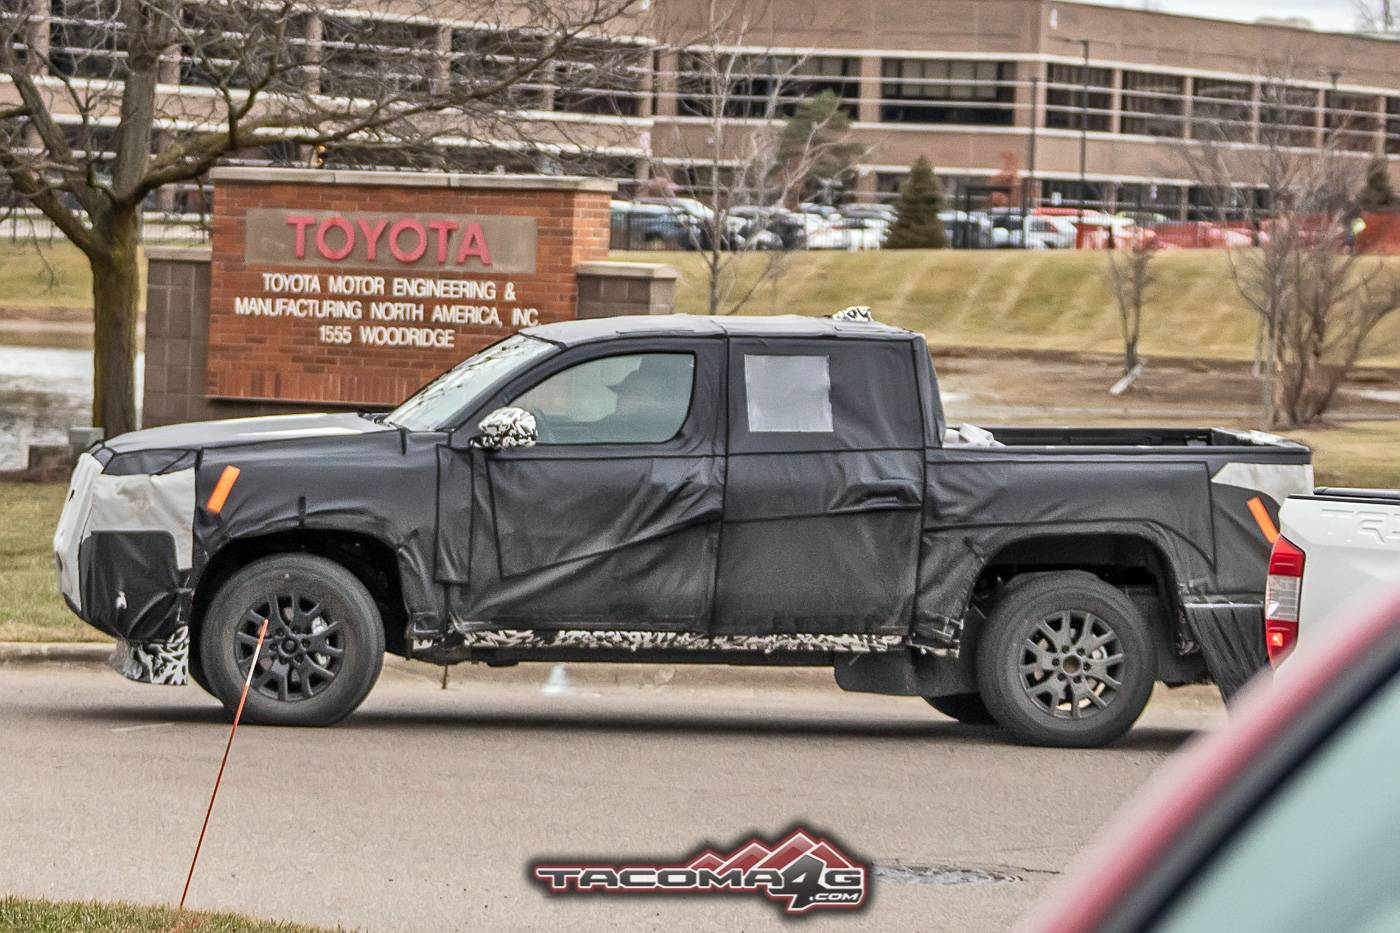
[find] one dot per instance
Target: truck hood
(196, 434)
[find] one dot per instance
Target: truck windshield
(435, 405)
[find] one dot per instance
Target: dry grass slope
(1010, 299)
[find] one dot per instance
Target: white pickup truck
(1334, 547)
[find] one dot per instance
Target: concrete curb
(55, 652)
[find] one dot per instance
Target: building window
(1150, 202)
(919, 90)
(1154, 104)
(379, 59)
(1236, 203)
(762, 86)
(1287, 115)
(1064, 193)
(1392, 125)
(1222, 110)
(482, 57)
(87, 39)
(600, 77)
(1352, 120)
(1065, 98)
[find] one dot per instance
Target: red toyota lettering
(372, 237)
(301, 222)
(323, 246)
(415, 254)
(474, 244)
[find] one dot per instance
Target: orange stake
(247, 684)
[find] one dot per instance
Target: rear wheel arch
(1066, 660)
(1132, 562)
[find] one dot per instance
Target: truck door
(611, 521)
(825, 487)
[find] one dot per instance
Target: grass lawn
(1358, 453)
(30, 607)
(1008, 298)
(31, 916)
(26, 282)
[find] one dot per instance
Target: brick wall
(286, 358)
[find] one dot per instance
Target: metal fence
(28, 225)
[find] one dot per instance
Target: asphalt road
(423, 810)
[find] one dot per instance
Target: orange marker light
(1261, 518)
(219, 496)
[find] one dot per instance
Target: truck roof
(573, 333)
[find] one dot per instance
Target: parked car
(823, 231)
(878, 211)
(1336, 545)
(968, 230)
(766, 490)
(863, 232)
(651, 226)
(1283, 821)
(1029, 231)
(789, 228)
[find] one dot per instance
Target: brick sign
(358, 287)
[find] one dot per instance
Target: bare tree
(1379, 17)
(91, 131)
(1131, 274)
(763, 135)
(1291, 200)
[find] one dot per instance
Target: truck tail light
(1282, 597)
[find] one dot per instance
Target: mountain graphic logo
(802, 872)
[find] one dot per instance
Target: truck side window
(639, 398)
(788, 393)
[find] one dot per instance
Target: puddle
(43, 392)
(1377, 395)
(943, 874)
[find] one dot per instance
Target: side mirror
(507, 429)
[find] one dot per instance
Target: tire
(1065, 660)
(964, 707)
(197, 670)
(320, 605)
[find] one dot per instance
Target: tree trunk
(116, 283)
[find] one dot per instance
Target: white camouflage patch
(677, 641)
(508, 428)
(858, 314)
(155, 662)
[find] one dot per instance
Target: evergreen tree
(1378, 194)
(916, 224)
(815, 148)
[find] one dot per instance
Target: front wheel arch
(323, 647)
(372, 561)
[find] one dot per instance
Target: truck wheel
(1065, 660)
(324, 646)
(197, 670)
(964, 707)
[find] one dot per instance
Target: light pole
(1083, 133)
(1083, 129)
(1028, 201)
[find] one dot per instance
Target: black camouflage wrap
(822, 518)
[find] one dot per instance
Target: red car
(1287, 819)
